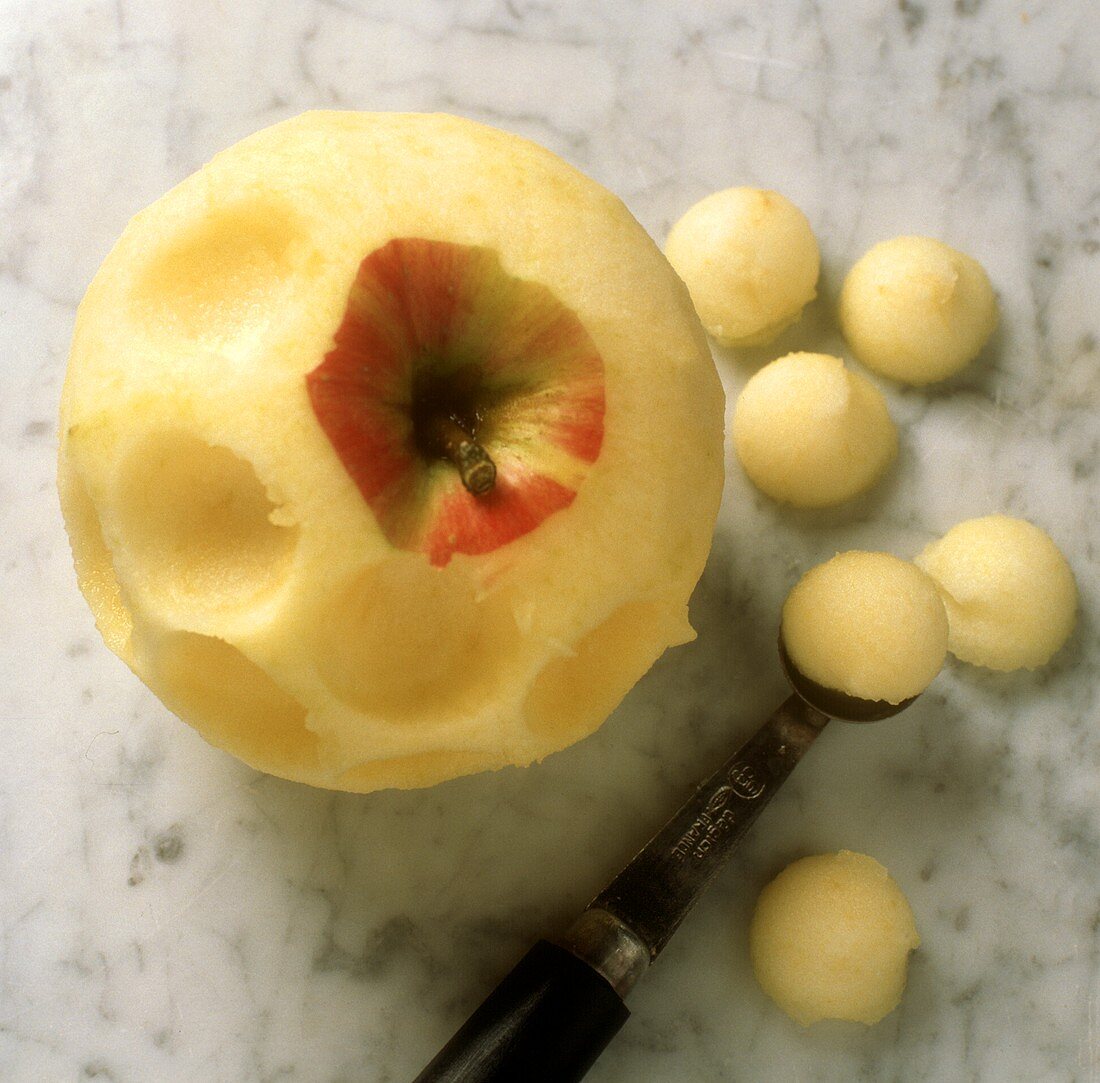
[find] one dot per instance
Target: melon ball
(812, 433)
(750, 262)
(1010, 595)
(915, 310)
(866, 624)
(831, 937)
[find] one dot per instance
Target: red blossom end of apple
(466, 404)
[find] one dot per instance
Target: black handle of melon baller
(547, 1021)
(552, 1016)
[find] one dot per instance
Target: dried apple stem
(475, 467)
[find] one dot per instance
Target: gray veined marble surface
(168, 915)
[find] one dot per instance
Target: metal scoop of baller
(552, 1016)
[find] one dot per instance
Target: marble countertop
(168, 915)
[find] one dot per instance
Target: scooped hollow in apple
(439, 353)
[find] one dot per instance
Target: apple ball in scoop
(391, 450)
(868, 625)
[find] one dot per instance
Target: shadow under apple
(437, 892)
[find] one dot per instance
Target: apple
(391, 449)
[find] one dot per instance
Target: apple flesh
(391, 450)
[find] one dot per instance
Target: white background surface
(167, 914)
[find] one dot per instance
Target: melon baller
(558, 1008)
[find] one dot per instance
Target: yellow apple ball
(830, 939)
(915, 310)
(1010, 594)
(812, 433)
(866, 624)
(360, 458)
(750, 261)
